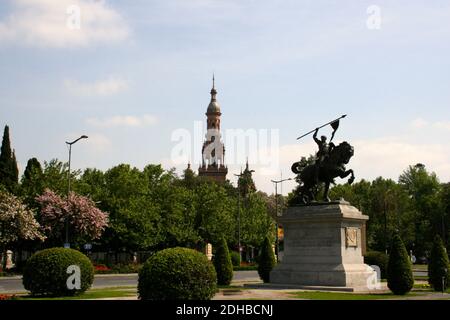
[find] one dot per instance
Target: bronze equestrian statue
(329, 164)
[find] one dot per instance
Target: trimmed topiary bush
(46, 272)
(222, 263)
(177, 274)
(438, 266)
(266, 260)
(379, 259)
(235, 259)
(399, 277)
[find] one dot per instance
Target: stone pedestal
(323, 248)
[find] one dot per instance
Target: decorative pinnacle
(213, 90)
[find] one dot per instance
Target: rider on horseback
(323, 153)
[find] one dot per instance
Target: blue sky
(136, 71)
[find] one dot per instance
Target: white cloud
(123, 121)
(419, 123)
(98, 142)
(50, 23)
(389, 157)
(106, 87)
(443, 125)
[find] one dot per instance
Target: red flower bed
(7, 297)
(101, 267)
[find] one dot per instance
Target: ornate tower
(213, 151)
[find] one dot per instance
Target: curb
(109, 275)
(11, 278)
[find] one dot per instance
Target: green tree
(175, 205)
(14, 169)
(256, 221)
(438, 266)
(424, 189)
(55, 176)
(32, 182)
(189, 179)
(134, 217)
(216, 213)
(388, 206)
(400, 277)
(445, 213)
(92, 183)
(9, 173)
(266, 260)
(223, 264)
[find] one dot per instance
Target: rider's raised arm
(315, 137)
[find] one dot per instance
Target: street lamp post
(239, 218)
(67, 244)
(276, 213)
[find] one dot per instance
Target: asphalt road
(14, 284)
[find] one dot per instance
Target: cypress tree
(9, 173)
(14, 168)
(400, 277)
(266, 260)
(32, 182)
(222, 263)
(438, 267)
(33, 168)
(6, 153)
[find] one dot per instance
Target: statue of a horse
(333, 166)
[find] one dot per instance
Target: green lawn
(317, 295)
(420, 267)
(92, 294)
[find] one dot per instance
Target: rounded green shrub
(222, 263)
(399, 276)
(438, 266)
(177, 274)
(379, 259)
(47, 272)
(266, 260)
(235, 259)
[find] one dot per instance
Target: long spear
(341, 117)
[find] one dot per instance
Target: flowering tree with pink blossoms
(17, 223)
(86, 221)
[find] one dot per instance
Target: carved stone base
(322, 247)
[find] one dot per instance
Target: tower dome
(213, 106)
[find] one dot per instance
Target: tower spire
(213, 90)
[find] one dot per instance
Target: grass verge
(102, 293)
(318, 295)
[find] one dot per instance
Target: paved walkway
(14, 285)
(265, 294)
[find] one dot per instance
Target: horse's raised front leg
(346, 173)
